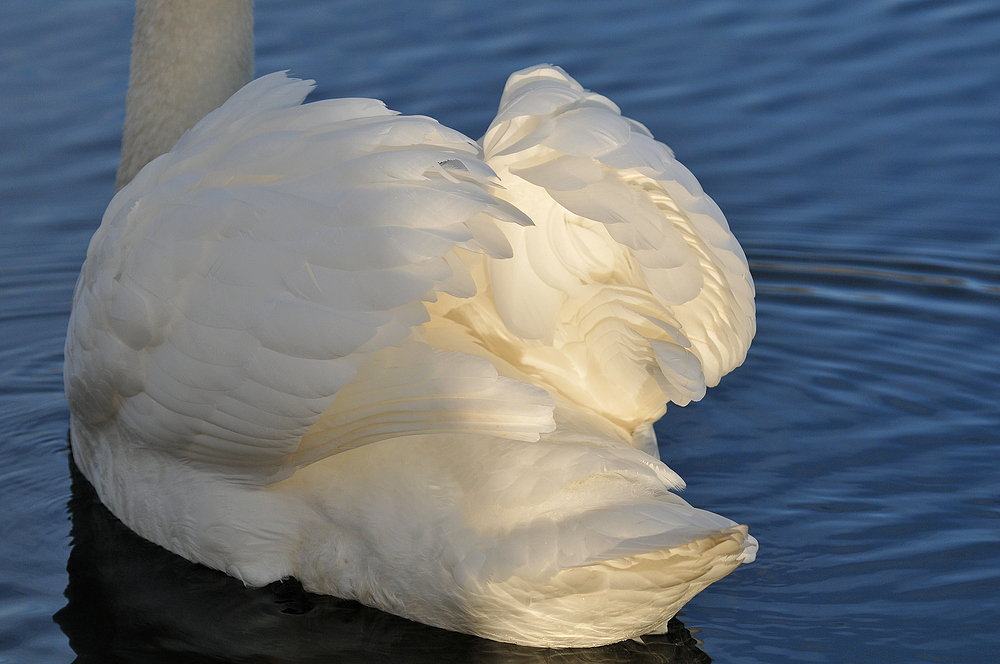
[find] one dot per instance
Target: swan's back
(332, 342)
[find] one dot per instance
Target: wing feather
(413, 389)
(613, 209)
(242, 280)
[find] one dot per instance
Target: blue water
(855, 148)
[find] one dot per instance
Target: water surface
(854, 148)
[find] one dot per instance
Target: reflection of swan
(131, 601)
(324, 341)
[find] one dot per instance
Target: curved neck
(188, 57)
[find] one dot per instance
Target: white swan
(332, 342)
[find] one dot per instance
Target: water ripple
(853, 147)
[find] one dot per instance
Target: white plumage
(332, 342)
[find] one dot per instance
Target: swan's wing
(244, 278)
(633, 272)
(412, 388)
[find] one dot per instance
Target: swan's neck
(188, 57)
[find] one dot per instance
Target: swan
(331, 342)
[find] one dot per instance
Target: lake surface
(855, 148)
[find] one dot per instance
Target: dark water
(855, 147)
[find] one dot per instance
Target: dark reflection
(132, 601)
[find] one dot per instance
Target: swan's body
(321, 341)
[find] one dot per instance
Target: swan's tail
(612, 599)
(579, 545)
